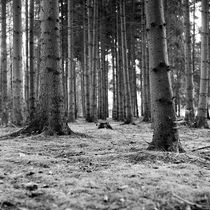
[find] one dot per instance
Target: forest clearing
(104, 169)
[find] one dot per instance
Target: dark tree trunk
(165, 136)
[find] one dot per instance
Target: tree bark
(201, 118)
(17, 117)
(189, 112)
(128, 108)
(27, 58)
(49, 116)
(71, 74)
(4, 64)
(165, 135)
(89, 63)
(94, 62)
(145, 69)
(32, 70)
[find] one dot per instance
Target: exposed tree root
(39, 127)
(174, 147)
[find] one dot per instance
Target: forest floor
(104, 169)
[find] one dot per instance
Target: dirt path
(106, 169)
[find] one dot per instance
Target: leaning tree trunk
(201, 118)
(17, 63)
(4, 63)
(189, 112)
(165, 136)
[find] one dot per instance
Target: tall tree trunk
(4, 63)
(189, 112)
(132, 65)
(38, 55)
(71, 73)
(120, 69)
(27, 58)
(89, 63)
(94, 61)
(145, 70)
(17, 117)
(165, 135)
(128, 108)
(84, 63)
(32, 71)
(201, 118)
(114, 88)
(49, 116)
(64, 40)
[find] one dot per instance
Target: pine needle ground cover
(104, 169)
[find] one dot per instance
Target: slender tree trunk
(84, 70)
(64, 40)
(89, 63)
(145, 70)
(114, 88)
(128, 108)
(201, 118)
(120, 69)
(32, 70)
(94, 61)
(165, 135)
(193, 41)
(27, 58)
(17, 63)
(71, 68)
(4, 63)
(38, 69)
(189, 112)
(133, 64)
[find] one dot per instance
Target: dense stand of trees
(61, 59)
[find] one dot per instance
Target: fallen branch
(201, 148)
(188, 202)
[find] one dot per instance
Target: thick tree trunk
(165, 136)
(201, 118)
(189, 112)
(4, 64)
(49, 116)
(17, 117)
